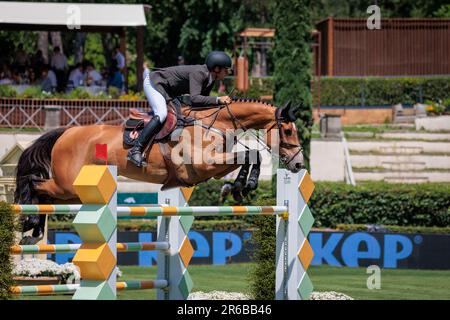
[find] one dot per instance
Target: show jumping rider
(163, 85)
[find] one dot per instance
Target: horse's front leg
(241, 179)
(252, 181)
(236, 187)
(244, 183)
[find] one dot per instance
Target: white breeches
(156, 99)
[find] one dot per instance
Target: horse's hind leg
(46, 192)
(53, 190)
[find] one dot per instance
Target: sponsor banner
(351, 249)
(135, 198)
(211, 247)
(386, 250)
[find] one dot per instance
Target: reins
(238, 125)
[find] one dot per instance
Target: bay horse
(47, 169)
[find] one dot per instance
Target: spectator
(6, 81)
(49, 80)
(120, 58)
(16, 77)
(105, 76)
(38, 61)
(115, 78)
(21, 60)
(32, 76)
(181, 61)
(76, 77)
(5, 74)
(93, 77)
(59, 64)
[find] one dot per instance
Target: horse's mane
(233, 99)
(246, 99)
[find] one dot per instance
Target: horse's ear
(287, 105)
(292, 112)
(288, 112)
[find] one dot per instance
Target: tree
(162, 34)
(292, 55)
(207, 27)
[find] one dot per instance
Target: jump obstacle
(96, 223)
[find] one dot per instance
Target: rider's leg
(159, 106)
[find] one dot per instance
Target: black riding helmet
(218, 59)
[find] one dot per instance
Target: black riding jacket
(194, 80)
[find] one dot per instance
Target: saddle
(138, 119)
(175, 120)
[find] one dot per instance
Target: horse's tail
(34, 164)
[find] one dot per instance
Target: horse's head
(290, 147)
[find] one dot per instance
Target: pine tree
(293, 59)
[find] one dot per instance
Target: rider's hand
(224, 100)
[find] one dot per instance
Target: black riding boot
(149, 131)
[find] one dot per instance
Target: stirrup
(143, 163)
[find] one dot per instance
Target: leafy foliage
(7, 91)
(7, 228)
(426, 205)
(199, 35)
(293, 60)
(383, 91)
(332, 203)
(262, 274)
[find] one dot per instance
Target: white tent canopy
(63, 14)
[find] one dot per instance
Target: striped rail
(71, 288)
(161, 211)
(65, 248)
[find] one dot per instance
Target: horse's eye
(288, 132)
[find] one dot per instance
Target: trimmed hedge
(394, 229)
(368, 91)
(7, 228)
(382, 91)
(425, 205)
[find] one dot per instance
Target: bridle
(279, 119)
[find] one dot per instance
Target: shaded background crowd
(56, 75)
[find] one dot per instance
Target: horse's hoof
(238, 186)
(237, 196)
(29, 222)
(251, 185)
(225, 191)
(28, 240)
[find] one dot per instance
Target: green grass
(395, 284)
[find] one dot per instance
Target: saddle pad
(134, 125)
